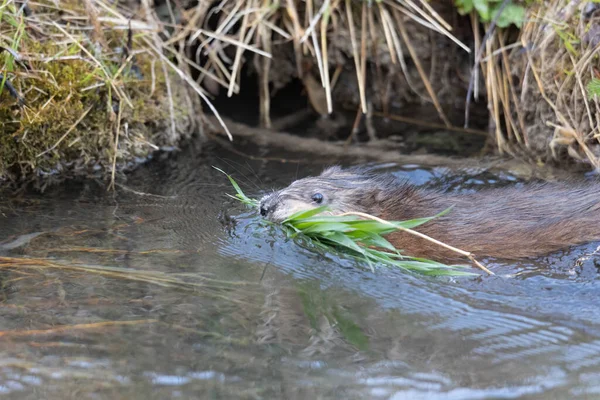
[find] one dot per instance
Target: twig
(426, 124)
(116, 148)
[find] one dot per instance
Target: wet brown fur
(507, 223)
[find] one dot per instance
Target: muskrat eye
(317, 198)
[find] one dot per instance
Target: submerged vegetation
(356, 236)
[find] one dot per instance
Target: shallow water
(168, 289)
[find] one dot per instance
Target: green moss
(72, 99)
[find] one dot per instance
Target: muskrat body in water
(508, 223)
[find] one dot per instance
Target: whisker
(246, 180)
(249, 167)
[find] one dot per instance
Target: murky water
(167, 289)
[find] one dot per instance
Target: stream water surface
(166, 288)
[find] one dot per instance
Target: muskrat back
(507, 223)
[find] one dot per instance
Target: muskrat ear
(331, 171)
(381, 197)
(377, 194)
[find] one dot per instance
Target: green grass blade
(316, 228)
(239, 193)
(301, 215)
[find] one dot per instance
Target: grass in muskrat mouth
(356, 235)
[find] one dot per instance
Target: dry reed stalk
(111, 186)
(324, 51)
(76, 327)
(554, 65)
(264, 71)
(521, 137)
(193, 84)
(493, 99)
(421, 71)
(363, 46)
(239, 51)
(431, 21)
(402, 61)
(387, 30)
(357, 59)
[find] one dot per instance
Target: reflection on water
(167, 289)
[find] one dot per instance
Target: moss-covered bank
(84, 90)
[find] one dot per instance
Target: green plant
(593, 88)
(487, 9)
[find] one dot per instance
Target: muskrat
(506, 223)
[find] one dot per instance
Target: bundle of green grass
(356, 237)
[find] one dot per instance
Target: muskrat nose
(263, 210)
(267, 205)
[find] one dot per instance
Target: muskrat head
(352, 189)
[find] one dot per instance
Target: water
(167, 289)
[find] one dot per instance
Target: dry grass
(538, 87)
(124, 74)
(312, 27)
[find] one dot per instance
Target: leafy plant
(488, 9)
(593, 88)
(353, 236)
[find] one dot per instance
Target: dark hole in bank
(292, 99)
